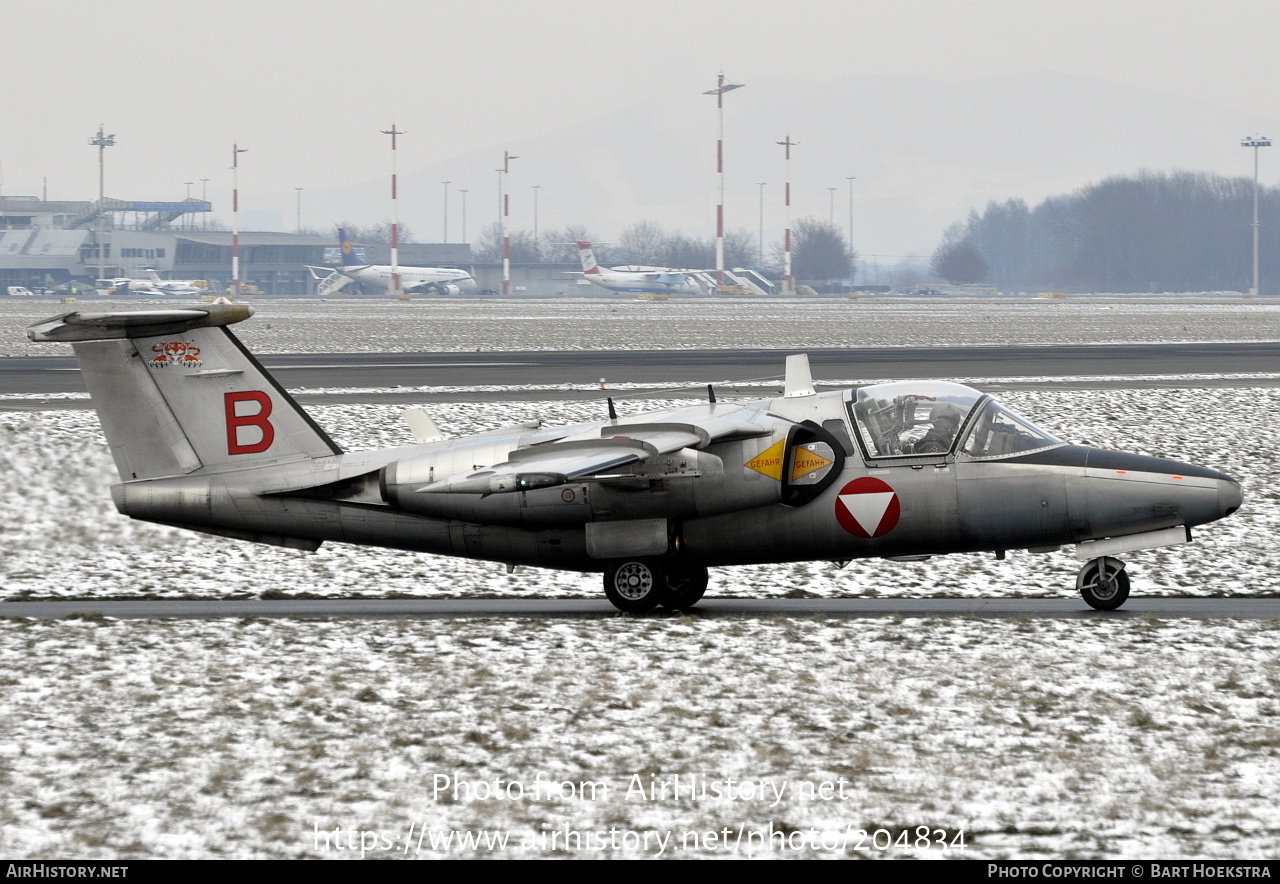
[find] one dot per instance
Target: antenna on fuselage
(613, 414)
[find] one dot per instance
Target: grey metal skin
(205, 439)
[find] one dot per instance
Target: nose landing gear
(1103, 583)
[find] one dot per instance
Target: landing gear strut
(1103, 583)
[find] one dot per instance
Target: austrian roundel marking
(868, 507)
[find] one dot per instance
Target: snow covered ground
(253, 738)
(1036, 738)
(610, 324)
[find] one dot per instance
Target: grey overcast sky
(306, 85)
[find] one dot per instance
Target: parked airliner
(413, 280)
(656, 280)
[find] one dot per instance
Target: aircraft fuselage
(204, 438)
(664, 282)
(805, 491)
(411, 278)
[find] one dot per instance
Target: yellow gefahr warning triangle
(807, 462)
(769, 461)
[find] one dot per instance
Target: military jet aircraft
(204, 438)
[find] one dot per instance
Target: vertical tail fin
(348, 254)
(177, 392)
(588, 257)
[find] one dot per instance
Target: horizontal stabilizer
(136, 323)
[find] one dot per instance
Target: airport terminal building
(46, 243)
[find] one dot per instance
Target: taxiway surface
(59, 374)
(758, 608)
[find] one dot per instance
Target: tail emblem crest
(183, 353)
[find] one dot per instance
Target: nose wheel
(1103, 583)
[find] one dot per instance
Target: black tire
(1103, 590)
(635, 586)
(686, 586)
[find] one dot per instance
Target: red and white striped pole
(788, 283)
(721, 88)
(505, 193)
(395, 226)
(236, 150)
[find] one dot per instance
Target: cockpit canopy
(918, 418)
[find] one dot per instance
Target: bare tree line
(1152, 231)
(819, 251)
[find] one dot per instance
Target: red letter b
(258, 419)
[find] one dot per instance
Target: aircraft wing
(323, 272)
(542, 466)
(615, 445)
(667, 277)
(712, 423)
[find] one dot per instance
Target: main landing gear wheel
(1103, 583)
(635, 586)
(685, 587)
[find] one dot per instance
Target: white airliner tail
(588, 257)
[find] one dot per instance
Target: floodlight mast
(102, 142)
(537, 253)
(396, 289)
(505, 199)
(1255, 141)
(760, 259)
(236, 150)
(788, 281)
(852, 260)
(721, 88)
(446, 210)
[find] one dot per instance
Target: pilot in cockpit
(944, 422)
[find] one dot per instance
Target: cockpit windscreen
(911, 417)
(999, 431)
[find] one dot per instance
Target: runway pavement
(1074, 608)
(58, 374)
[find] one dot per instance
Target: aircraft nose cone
(1230, 496)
